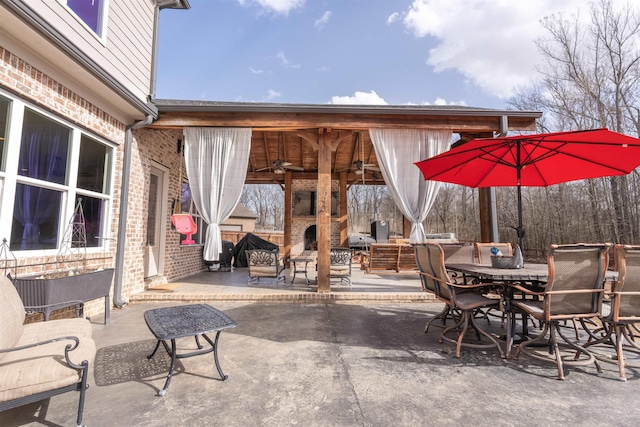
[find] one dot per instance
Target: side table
(297, 268)
(169, 323)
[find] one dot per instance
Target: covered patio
(324, 149)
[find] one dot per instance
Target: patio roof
(289, 132)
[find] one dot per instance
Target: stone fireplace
(303, 226)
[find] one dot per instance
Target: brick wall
(32, 85)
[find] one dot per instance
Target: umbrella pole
(520, 229)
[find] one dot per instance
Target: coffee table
(170, 323)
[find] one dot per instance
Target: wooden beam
(323, 217)
(310, 137)
(348, 121)
(344, 213)
(341, 138)
(287, 216)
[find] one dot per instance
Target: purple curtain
(43, 155)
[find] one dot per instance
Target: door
(153, 265)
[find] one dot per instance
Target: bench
(389, 256)
(43, 359)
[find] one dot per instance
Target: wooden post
(406, 227)
(485, 217)
(324, 210)
(344, 214)
(288, 179)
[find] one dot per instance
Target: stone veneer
(300, 224)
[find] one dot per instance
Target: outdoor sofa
(42, 359)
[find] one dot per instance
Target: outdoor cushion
(12, 315)
(40, 331)
(44, 369)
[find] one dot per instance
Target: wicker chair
(459, 297)
(620, 315)
(264, 263)
(340, 264)
(483, 251)
(573, 292)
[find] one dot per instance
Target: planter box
(82, 287)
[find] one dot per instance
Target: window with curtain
(189, 207)
(55, 165)
(91, 12)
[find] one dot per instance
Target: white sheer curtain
(216, 160)
(397, 150)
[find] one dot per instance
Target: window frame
(69, 190)
(101, 34)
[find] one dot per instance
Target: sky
(388, 52)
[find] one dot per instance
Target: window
(55, 166)
(189, 207)
(4, 118)
(91, 12)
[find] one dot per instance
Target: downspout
(493, 203)
(124, 205)
(160, 4)
(126, 161)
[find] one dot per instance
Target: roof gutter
(124, 205)
(46, 30)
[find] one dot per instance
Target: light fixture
(279, 170)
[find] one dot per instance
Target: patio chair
(483, 251)
(620, 314)
(340, 264)
(465, 298)
(430, 285)
(462, 253)
(264, 263)
(573, 292)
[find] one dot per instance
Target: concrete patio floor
(332, 363)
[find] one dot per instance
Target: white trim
(68, 189)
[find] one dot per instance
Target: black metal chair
(264, 263)
(340, 264)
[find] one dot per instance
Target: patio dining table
(532, 276)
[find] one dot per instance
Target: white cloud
(286, 62)
(490, 42)
(442, 101)
(254, 71)
(320, 23)
(360, 98)
(393, 18)
(272, 94)
(280, 7)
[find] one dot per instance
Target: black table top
(186, 320)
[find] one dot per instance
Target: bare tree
(590, 80)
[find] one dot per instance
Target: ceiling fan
(359, 166)
(279, 166)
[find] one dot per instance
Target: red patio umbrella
(534, 160)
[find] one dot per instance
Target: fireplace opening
(310, 243)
